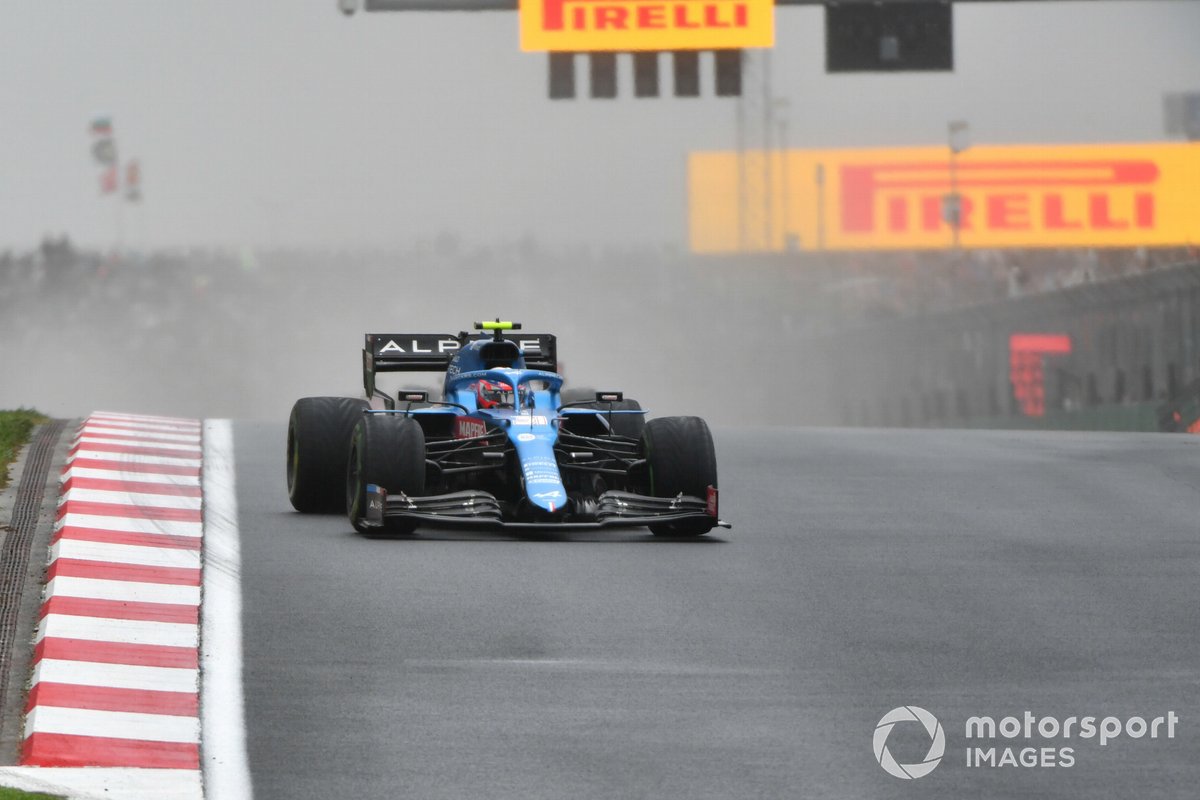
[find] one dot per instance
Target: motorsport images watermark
(937, 746)
(987, 738)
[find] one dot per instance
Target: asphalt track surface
(964, 572)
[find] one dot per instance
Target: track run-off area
(967, 573)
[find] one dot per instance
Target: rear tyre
(680, 457)
(630, 425)
(317, 439)
(387, 450)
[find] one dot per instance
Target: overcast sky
(282, 122)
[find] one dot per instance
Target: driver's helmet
(489, 394)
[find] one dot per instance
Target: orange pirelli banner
(598, 25)
(1119, 195)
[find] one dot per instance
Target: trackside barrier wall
(1135, 348)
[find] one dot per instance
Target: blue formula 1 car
(500, 449)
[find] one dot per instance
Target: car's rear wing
(431, 352)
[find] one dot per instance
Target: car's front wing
(481, 509)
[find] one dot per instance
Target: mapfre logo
(469, 428)
(592, 25)
(1000, 196)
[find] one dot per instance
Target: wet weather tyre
(630, 425)
(387, 450)
(680, 457)
(318, 437)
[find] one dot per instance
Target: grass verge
(15, 427)
(14, 432)
(16, 794)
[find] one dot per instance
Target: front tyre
(319, 431)
(680, 458)
(387, 450)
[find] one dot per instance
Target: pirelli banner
(1118, 195)
(618, 25)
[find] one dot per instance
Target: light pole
(768, 122)
(742, 188)
(819, 179)
(952, 207)
(781, 108)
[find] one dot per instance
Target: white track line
(223, 757)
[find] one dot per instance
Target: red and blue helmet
(493, 394)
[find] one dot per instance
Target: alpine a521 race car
(500, 449)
